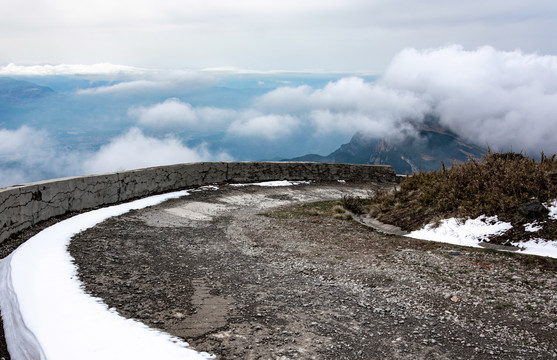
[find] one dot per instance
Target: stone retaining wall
(22, 206)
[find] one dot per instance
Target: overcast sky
(487, 69)
(300, 35)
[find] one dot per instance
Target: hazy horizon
(146, 83)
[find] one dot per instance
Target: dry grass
(354, 204)
(495, 185)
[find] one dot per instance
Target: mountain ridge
(432, 146)
(14, 91)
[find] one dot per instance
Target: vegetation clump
(354, 204)
(498, 184)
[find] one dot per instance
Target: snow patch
(533, 227)
(539, 247)
(473, 231)
(47, 314)
(552, 207)
(466, 233)
(273, 183)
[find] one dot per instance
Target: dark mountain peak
(425, 149)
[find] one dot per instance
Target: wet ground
(251, 273)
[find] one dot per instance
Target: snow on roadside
(273, 183)
(465, 233)
(539, 247)
(47, 314)
(473, 231)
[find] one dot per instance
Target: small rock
(179, 315)
(454, 299)
(533, 209)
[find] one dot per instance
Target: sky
(148, 83)
(310, 35)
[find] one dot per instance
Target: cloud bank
(505, 99)
(152, 81)
(104, 69)
(27, 154)
(134, 150)
(268, 127)
(173, 114)
(347, 106)
(126, 79)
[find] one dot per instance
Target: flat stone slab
(379, 226)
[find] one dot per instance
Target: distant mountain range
(433, 145)
(14, 91)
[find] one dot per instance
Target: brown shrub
(495, 185)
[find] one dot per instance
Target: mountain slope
(433, 145)
(14, 91)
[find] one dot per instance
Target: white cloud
(290, 99)
(269, 127)
(501, 98)
(326, 121)
(170, 113)
(230, 70)
(16, 145)
(174, 114)
(153, 81)
(350, 94)
(134, 86)
(347, 105)
(131, 80)
(71, 70)
(506, 99)
(20, 152)
(27, 155)
(134, 150)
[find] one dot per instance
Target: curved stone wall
(22, 206)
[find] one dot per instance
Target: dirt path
(298, 284)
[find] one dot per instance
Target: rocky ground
(267, 273)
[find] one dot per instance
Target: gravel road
(250, 273)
